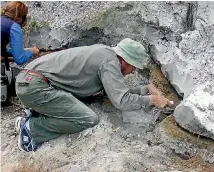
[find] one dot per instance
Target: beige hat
(131, 51)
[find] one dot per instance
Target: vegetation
(195, 163)
(104, 18)
(34, 25)
(172, 129)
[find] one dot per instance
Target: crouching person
(51, 86)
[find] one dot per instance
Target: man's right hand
(159, 101)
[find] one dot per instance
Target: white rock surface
(60, 14)
(205, 13)
(196, 113)
(187, 65)
(172, 65)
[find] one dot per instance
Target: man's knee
(93, 119)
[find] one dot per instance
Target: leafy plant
(34, 25)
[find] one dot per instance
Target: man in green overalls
(51, 85)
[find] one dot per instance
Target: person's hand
(35, 51)
(159, 101)
(153, 90)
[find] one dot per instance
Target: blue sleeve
(20, 56)
(9, 51)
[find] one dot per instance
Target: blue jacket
(11, 32)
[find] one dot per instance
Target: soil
(158, 79)
(196, 163)
(185, 161)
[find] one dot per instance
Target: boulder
(196, 112)
(170, 59)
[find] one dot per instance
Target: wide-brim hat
(132, 52)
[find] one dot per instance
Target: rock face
(189, 64)
(179, 36)
(196, 112)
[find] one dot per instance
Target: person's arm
(117, 91)
(140, 90)
(9, 51)
(20, 56)
(145, 90)
(153, 91)
(10, 59)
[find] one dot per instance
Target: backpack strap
(6, 61)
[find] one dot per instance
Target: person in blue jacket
(13, 19)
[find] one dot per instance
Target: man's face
(127, 68)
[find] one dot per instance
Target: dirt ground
(110, 146)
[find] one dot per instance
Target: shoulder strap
(6, 63)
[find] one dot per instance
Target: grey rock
(169, 57)
(194, 115)
(205, 13)
(211, 107)
(7, 125)
(75, 168)
(211, 160)
(144, 117)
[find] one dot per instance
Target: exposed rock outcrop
(178, 36)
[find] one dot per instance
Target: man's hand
(153, 90)
(159, 101)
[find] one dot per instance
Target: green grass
(104, 18)
(34, 25)
(172, 129)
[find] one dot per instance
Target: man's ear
(123, 63)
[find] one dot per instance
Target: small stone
(64, 152)
(211, 107)
(133, 143)
(137, 147)
(72, 146)
(202, 109)
(37, 4)
(12, 136)
(211, 160)
(7, 125)
(128, 135)
(149, 142)
(5, 145)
